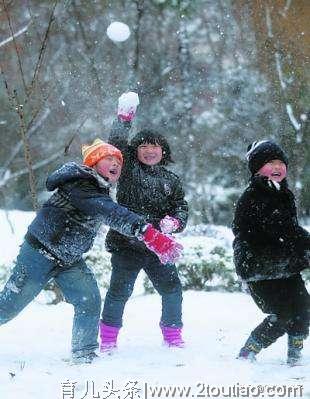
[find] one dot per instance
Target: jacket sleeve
(179, 206)
(119, 135)
(302, 238)
(288, 227)
(246, 220)
(115, 216)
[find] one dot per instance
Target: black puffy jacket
(151, 191)
(269, 243)
(68, 222)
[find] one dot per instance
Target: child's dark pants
(126, 266)
(288, 303)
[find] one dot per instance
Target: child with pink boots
(147, 188)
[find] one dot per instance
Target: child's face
(275, 170)
(149, 154)
(110, 167)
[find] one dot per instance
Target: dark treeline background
(212, 75)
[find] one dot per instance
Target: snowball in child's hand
(127, 105)
(118, 31)
(129, 99)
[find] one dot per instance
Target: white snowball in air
(118, 31)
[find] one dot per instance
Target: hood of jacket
(72, 171)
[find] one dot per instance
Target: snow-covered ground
(215, 325)
(34, 345)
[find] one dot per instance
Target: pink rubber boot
(173, 336)
(108, 337)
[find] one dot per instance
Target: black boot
(295, 345)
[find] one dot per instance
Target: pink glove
(127, 106)
(169, 224)
(165, 247)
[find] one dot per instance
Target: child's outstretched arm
(125, 222)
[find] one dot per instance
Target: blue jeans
(30, 275)
(126, 266)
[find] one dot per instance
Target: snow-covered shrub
(204, 267)
(99, 261)
(212, 271)
(4, 274)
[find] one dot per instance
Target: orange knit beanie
(94, 152)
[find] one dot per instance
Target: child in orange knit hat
(106, 159)
(63, 230)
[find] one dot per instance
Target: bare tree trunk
(21, 72)
(32, 95)
(27, 155)
(19, 105)
(96, 81)
(297, 125)
(185, 117)
(134, 80)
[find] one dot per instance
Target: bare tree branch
(97, 85)
(18, 33)
(286, 8)
(42, 49)
(67, 147)
(15, 45)
(27, 152)
(10, 176)
(10, 95)
(19, 145)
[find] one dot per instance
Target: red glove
(169, 224)
(165, 247)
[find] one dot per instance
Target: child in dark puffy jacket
(63, 230)
(147, 188)
(270, 251)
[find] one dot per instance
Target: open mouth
(150, 157)
(113, 171)
(276, 174)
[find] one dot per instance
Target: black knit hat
(261, 152)
(151, 137)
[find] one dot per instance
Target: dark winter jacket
(151, 191)
(269, 243)
(68, 222)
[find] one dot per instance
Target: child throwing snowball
(63, 230)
